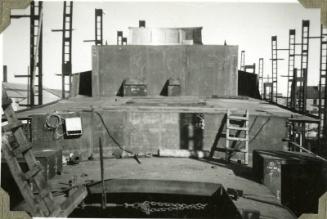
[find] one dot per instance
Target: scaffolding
(242, 64)
(322, 85)
(250, 67)
(291, 66)
(302, 74)
(66, 62)
(98, 28)
(124, 41)
(260, 76)
(36, 52)
(119, 37)
(274, 70)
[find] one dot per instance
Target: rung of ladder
(236, 139)
(42, 194)
(12, 126)
(22, 149)
(238, 118)
(234, 150)
(32, 172)
(238, 128)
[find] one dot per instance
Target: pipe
(104, 195)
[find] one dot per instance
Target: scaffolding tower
(66, 56)
(242, 64)
(322, 85)
(250, 67)
(260, 76)
(124, 41)
(291, 66)
(67, 47)
(274, 70)
(98, 28)
(302, 74)
(36, 52)
(119, 37)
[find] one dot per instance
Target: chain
(151, 207)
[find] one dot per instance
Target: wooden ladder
(243, 126)
(14, 144)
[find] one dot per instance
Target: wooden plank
(23, 185)
(47, 204)
(72, 202)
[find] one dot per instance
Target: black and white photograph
(164, 109)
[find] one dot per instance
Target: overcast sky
(248, 25)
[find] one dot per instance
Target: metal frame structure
(36, 52)
(301, 75)
(67, 47)
(98, 28)
(267, 86)
(242, 61)
(124, 41)
(260, 75)
(119, 37)
(66, 61)
(291, 66)
(251, 67)
(293, 89)
(274, 70)
(322, 85)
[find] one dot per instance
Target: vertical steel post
(260, 76)
(104, 195)
(274, 70)
(32, 55)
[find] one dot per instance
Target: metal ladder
(36, 44)
(302, 79)
(274, 70)
(36, 52)
(291, 65)
(322, 84)
(260, 76)
(14, 144)
(98, 27)
(98, 30)
(241, 127)
(66, 59)
(67, 48)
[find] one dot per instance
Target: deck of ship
(256, 196)
(166, 104)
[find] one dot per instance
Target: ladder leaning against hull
(237, 131)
